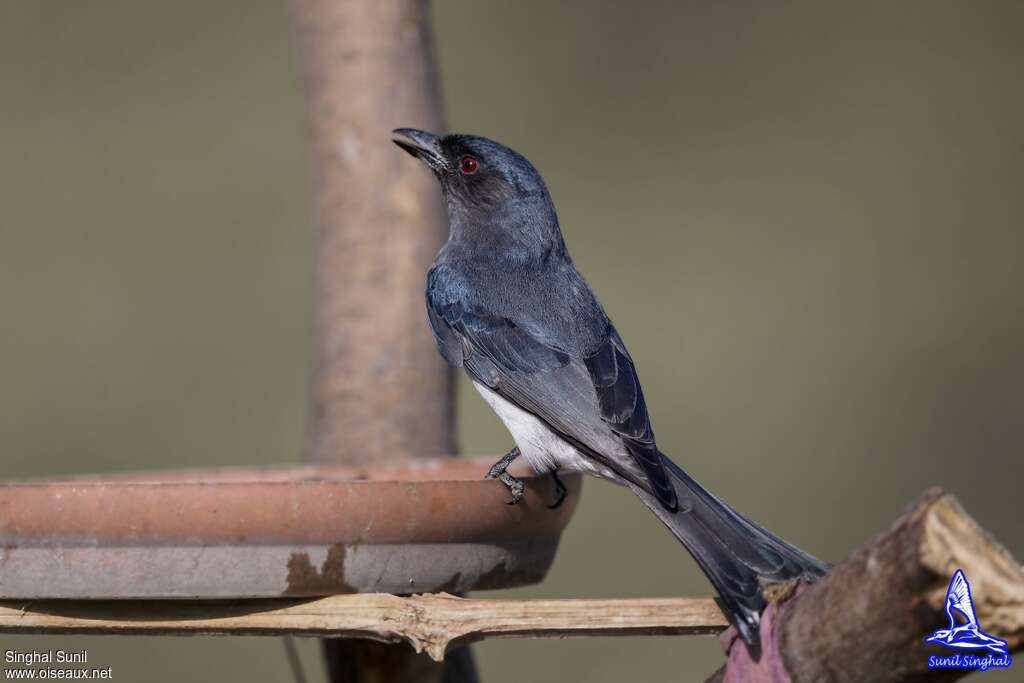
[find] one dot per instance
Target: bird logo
(964, 633)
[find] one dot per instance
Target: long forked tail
(736, 554)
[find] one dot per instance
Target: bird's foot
(561, 491)
(497, 471)
(498, 468)
(515, 487)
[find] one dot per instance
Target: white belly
(544, 450)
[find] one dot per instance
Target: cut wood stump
(867, 620)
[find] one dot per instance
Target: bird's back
(550, 299)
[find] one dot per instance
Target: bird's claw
(515, 487)
(498, 468)
(561, 491)
(497, 471)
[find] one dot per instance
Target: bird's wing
(623, 408)
(958, 596)
(594, 401)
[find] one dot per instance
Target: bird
(967, 635)
(506, 303)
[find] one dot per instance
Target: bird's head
(487, 186)
(473, 170)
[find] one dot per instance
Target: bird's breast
(543, 449)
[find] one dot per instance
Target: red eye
(468, 164)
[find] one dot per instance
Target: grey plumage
(506, 303)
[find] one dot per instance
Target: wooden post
(380, 391)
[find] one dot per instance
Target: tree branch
(867, 620)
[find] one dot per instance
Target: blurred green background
(806, 221)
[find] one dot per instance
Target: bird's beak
(424, 146)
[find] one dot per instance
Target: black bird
(507, 305)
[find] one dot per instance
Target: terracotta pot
(301, 531)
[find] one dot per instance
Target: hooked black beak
(424, 146)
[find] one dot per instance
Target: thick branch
(430, 623)
(867, 620)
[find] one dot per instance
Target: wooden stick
(430, 623)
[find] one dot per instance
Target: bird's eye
(468, 164)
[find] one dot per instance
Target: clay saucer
(300, 531)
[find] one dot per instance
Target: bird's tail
(736, 554)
